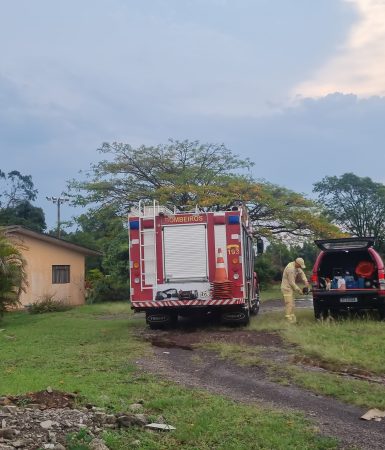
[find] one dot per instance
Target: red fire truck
(189, 263)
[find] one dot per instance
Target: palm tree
(12, 273)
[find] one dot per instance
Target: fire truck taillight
(136, 280)
(236, 276)
(136, 265)
(235, 260)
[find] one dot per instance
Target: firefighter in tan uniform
(292, 273)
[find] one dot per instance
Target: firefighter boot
(291, 318)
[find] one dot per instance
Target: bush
(13, 279)
(106, 288)
(48, 304)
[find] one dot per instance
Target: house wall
(40, 257)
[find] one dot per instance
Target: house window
(60, 274)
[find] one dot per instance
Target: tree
(15, 188)
(356, 204)
(271, 264)
(165, 171)
(16, 193)
(12, 274)
(25, 214)
(103, 230)
(185, 173)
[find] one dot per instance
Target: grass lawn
(272, 292)
(350, 346)
(92, 350)
(341, 347)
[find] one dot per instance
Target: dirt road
(177, 359)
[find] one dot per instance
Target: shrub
(102, 288)
(48, 304)
(12, 273)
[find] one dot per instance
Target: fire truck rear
(190, 263)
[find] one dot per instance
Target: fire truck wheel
(157, 321)
(246, 316)
(239, 317)
(246, 320)
(254, 310)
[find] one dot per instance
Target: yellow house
(55, 267)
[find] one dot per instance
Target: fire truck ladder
(148, 212)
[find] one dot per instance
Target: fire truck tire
(246, 320)
(238, 317)
(168, 320)
(254, 310)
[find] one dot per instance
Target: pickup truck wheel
(335, 313)
(320, 312)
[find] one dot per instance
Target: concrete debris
(129, 420)
(59, 447)
(160, 426)
(97, 444)
(135, 407)
(7, 433)
(47, 424)
(374, 414)
(44, 427)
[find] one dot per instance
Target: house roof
(23, 231)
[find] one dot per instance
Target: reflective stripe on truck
(197, 302)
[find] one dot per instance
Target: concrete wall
(40, 257)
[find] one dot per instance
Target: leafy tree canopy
(188, 173)
(271, 264)
(24, 213)
(16, 194)
(15, 188)
(103, 230)
(356, 204)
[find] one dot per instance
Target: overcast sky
(298, 86)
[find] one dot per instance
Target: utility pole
(59, 201)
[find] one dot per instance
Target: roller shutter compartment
(185, 252)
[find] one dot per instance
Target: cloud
(330, 135)
(77, 74)
(357, 66)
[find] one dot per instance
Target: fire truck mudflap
(191, 263)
